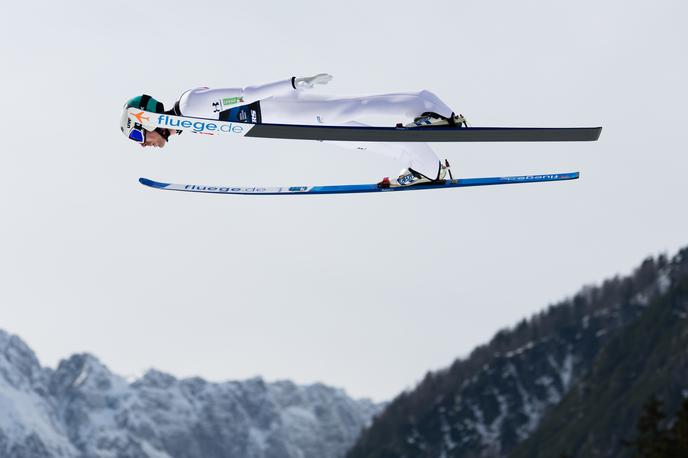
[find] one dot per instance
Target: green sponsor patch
(231, 100)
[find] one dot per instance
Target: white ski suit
(282, 103)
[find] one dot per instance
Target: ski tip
(152, 184)
(569, 176)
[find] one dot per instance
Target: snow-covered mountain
(82, 410)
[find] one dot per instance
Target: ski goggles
(137, 134)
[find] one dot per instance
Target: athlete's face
(155, 139)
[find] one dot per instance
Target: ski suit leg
(298, 108)
(418, 156)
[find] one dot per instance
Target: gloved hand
(309, 81)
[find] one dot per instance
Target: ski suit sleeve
(208, 103)
(253, 93)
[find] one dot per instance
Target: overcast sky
(363, 292)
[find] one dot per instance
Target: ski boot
(432, 119)
(409, 177)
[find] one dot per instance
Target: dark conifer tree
(652, 440)
(679, 433)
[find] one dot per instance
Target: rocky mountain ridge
(81, 409)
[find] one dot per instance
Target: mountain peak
(18, 363)
(81, 372)
(156, 379)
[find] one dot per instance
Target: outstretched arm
(207, 103)
(253, 93)
(259, 92)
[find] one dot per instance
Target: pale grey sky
(365, 292)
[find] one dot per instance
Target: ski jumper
(282, 103)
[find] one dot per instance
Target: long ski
(357, 188)
(367, 134)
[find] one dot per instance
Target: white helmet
(136, 131)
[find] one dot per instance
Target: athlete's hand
(307, 82)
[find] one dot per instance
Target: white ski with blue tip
(358, 188)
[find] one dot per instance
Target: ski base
(358, 188)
